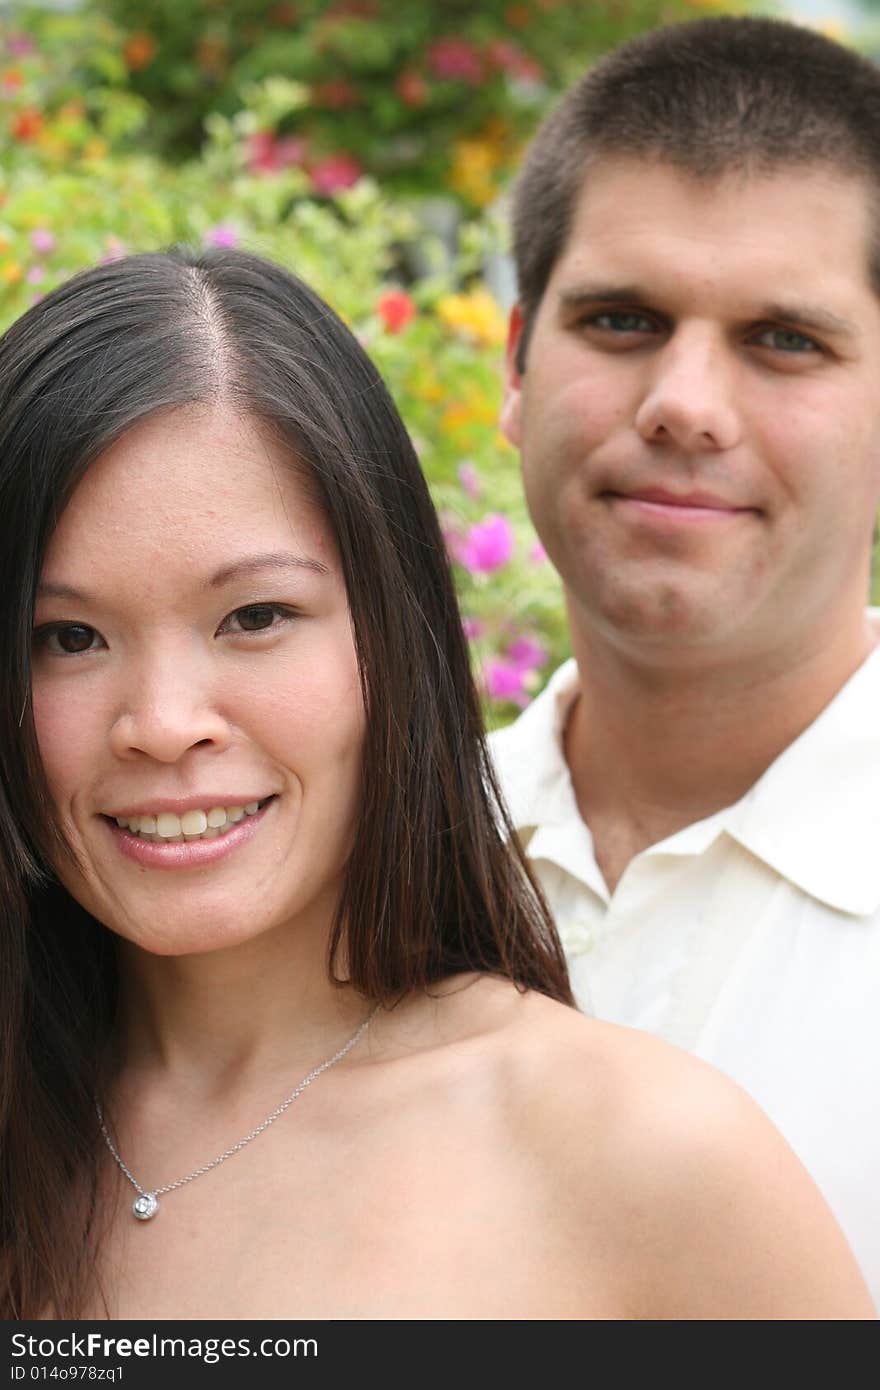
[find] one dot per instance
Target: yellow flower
(475, 315)
(474, 166)
(95, 148)
(11, 273)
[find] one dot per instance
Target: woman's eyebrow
(247, 565)
(274, 560)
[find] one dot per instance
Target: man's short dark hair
(709, 97)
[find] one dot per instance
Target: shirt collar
(813, 816)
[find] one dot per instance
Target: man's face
(699, 418)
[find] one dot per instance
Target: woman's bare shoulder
(658, 1155)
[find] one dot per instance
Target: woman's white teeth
(192, 825)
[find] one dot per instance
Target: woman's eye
(67, 639)
(255, 617)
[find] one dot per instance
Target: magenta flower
(224, 234)
(334, 173)
(526, 652)
(470, 480)
(455, 60)
(487, 546)
(42, 241)
(473, 628)
(507, 682)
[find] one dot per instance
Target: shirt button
(578, 938)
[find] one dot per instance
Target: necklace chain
(146, 1204)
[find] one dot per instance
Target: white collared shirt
(751, 938)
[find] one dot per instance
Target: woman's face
(195, 677)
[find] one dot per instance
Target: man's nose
(689, 400)
(168, 706)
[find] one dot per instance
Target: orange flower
(139, 51)
(412, 88)
(211, 55)
(518, 16)
(13, 79)
(27, 125)
(11, 273)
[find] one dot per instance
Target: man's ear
(511, 406)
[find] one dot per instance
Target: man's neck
(653, 749)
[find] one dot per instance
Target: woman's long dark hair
(431, 888)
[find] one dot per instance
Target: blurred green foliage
(424, 96)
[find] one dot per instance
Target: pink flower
(115, 249)
(224, 234)
(537, 553)
(42, 241)
(473, 628)
(395, 308)
(336, 172)
(455, 60)
(20, 44)
(35, 275)
(470, 480)
(487, 546)
(512, 59)
(266, 154)
(527, 653)
(504, 681)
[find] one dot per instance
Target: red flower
(395, 308)
(284, 14)
(335, 172)
(357, 9)
(27, 125)
(412, 88)
(335, 95)
(455, 60)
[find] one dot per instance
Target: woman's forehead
(189, 485)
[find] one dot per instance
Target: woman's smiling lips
(185, 853)
(655, 504)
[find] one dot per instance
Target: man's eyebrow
(803, 315)
(237, 569)
(594, 292)
(810, 316)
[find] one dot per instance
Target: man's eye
(622, 321)
(67, 639)
(255, 617)
(786, 340)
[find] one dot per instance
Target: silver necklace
(146, 1204)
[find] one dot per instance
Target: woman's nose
(167, 709)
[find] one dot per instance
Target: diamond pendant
(145, 1206)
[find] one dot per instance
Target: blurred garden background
(367, 146)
